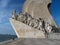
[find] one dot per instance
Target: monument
(37, 9)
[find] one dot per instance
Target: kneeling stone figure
(28, 18)
(34, 23)
(22, 18)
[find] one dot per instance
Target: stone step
(54, 36)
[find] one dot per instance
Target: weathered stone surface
(30, 41)
(39, 8)
(24, 31)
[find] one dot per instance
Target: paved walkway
(31, 42)
(53, 39)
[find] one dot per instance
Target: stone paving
(31, 41)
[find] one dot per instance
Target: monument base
(24, 31)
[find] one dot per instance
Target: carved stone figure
(34, 23)
(22, 18)
(40, 24)
(28, 18)
(14, 15)
(48, 27)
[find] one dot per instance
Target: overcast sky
(7, 6)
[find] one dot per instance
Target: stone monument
(37, 9)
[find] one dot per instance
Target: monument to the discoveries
(37, 9)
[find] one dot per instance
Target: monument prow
(24, 31)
